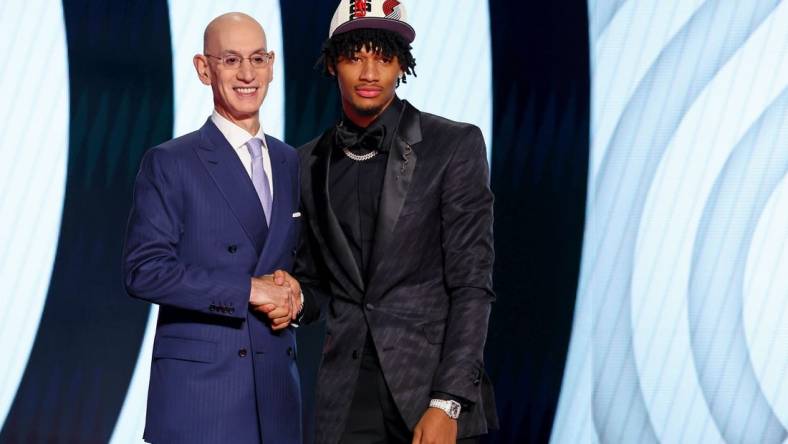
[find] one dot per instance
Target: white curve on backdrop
(193, 105)
(623, 54)
(709, 131)
(453, 54)
(681, 72)
(751, 173)
(706, 36)
(765, 311)
(34, 85)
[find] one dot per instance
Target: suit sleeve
(152, 269)
(467, 221)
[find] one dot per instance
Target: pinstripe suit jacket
(428, 294)
(196, 235)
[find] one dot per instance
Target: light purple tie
(259, 178)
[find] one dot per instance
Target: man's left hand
(435, 427)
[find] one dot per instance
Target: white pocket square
(297, 214)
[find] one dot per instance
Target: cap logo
(359, 8)
(391, 9)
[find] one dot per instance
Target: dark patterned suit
(425, 299)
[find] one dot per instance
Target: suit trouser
(374, 417)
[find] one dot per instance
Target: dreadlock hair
(386, 43)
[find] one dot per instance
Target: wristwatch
(451, 408)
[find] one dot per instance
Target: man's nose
(370, 71)
(246, 71)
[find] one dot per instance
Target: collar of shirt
(235, 135)
(237, 138)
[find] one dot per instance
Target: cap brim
(398, 26)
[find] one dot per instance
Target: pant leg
(365, 424)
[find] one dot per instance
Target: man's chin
(368, 111)
(244, 113)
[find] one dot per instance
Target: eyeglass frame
(268, 56)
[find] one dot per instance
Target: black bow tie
(370, 140)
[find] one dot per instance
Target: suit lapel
(228, 174)
(334, 237)
(396, 184)
(279, 209)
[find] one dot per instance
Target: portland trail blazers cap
(371, 14)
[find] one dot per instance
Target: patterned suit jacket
(196, 235)
(428, 295)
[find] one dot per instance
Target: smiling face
(367, 83)
(238, 92)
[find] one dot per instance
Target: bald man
(214, 213)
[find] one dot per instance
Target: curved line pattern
(35, 93)
(686, 65)
(732, 391)
(624, 53)
(765, 312)
(712, 127)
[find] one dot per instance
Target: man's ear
(202, 68)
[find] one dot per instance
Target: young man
(212, 211)
(396, 251)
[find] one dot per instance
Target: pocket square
(297, 214)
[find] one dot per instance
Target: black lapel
(335, 238)
(230, 177)
(399, 175)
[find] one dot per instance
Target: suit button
(294, 251)
(212, 308)
(231, 310)
(232, 249)
(290, 351)
(242, 352)
(370, 307)
(355, 354)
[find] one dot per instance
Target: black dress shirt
(355, 187)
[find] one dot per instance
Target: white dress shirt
(237, 137)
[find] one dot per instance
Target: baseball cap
(371, 14)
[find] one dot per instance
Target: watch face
(454, 410)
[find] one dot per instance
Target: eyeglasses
(233, 61)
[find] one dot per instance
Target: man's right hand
(276, 301)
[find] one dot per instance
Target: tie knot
(255, 147)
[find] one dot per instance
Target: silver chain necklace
(359, 158)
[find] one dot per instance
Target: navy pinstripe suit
(197, 233)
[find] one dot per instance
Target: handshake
(278, 296)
